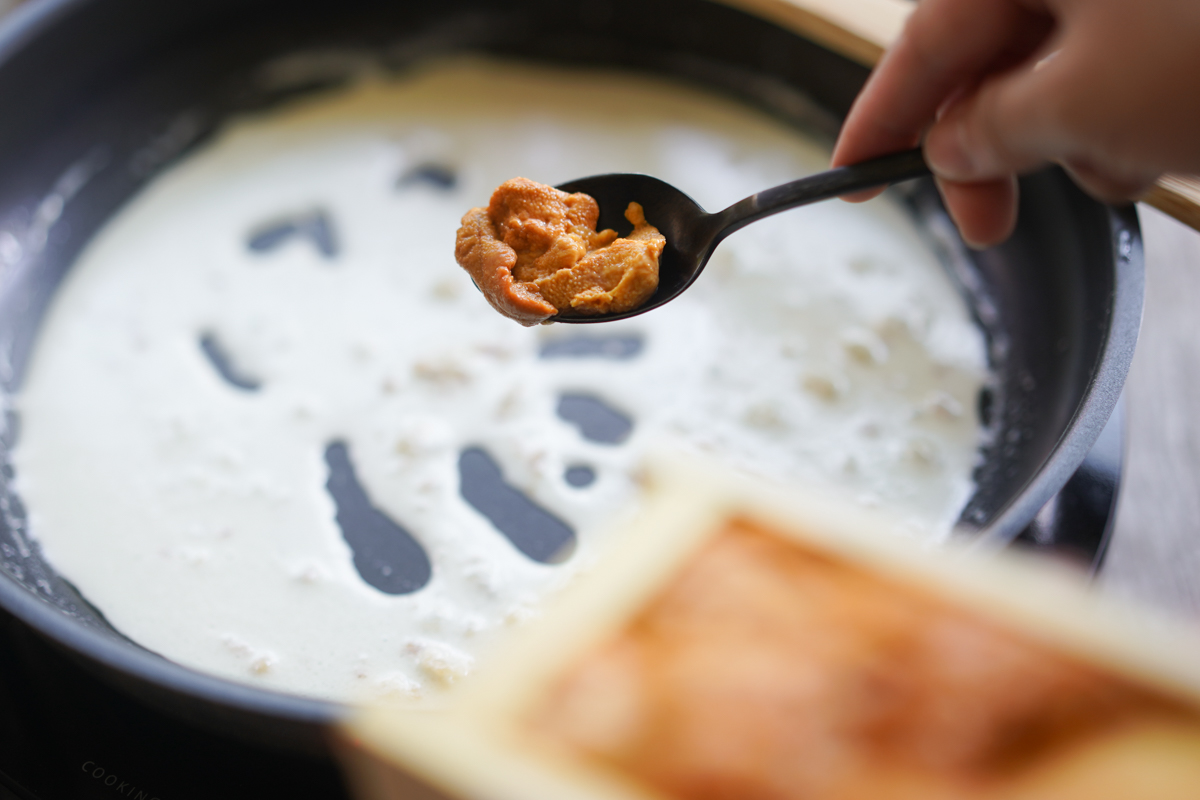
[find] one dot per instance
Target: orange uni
(534, 252)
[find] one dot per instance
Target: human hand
(1109, 89)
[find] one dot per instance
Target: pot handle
(862, 29)
(1178, 196)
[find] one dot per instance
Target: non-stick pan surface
(96, 96)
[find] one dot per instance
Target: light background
(1155, 551)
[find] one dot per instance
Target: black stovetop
(66, 734)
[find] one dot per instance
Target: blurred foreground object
(737, 641)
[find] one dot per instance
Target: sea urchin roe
(209, 535)
(534, 252)
(767, 671)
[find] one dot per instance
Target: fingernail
(947, 154)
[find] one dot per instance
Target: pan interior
(114, 110)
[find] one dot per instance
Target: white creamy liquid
(825, 345)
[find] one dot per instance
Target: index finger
(946, 45)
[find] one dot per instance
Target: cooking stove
(66, 734)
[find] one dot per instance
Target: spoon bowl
(677, 216)
(693, 234)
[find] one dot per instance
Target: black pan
(96, 96)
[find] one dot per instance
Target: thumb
(1112, 184)
(1004, 127)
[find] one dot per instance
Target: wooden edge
(858, 29)
(462, 758)
(477, 748)
(1178, 196)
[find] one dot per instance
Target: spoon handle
(822, 186)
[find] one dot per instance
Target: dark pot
(99, 95)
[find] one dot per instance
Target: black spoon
(692, 233)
